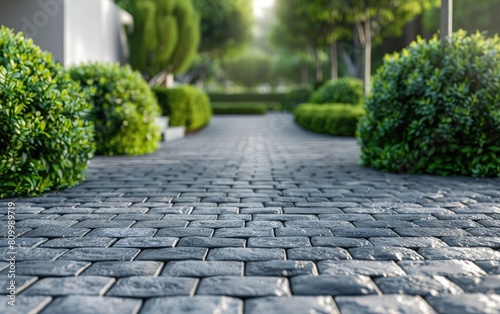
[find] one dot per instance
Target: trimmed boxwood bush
(346, 90)
(296, 97)
(239, 108)
(185, 105)
(124, 109)
(45, 134)
(333, 119)
(436, 109)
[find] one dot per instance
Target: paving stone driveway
(254, 215)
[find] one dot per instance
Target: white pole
(446, 19)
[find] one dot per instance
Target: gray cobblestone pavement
(254, 215)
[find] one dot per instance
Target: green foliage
(254, 97)
(45, 134)
(186, 106)
(124, 109)
(239, 108)
(249, 70)
(165, 36)
(296, 97)
(345, 90)
(436, 109)
(333, 119)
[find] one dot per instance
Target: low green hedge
(239, 108)
(124, 109)
(295, 98)
(333, 119)
(46, 137)
(255, 97)
(346, 90)
(185, 105)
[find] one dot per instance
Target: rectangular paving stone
(409, 242)
(138, 217)
(218, 223)
(146, 242)
(313, 211)
(262, 210)
(56, 232)
(122, 232)
(278, 242)
(318, 224)
(243, 232)
(246, 254)
(77, 242)
(431, 232)
(332, 285)
(384, 253)
(484, 232)
(264, 224)
(466, 303)
(409, 217)
(193, 305)
(339, 242)
(23, 242)
(283, 217)
(346, 217)
(123, 269)
(173, 254)
(93, 304)
(104, 224)
(365, 268)
(485, 284)
(210, 242)
(128, 210)
(363, 232)
(491, 267)
(148, 286)
(25, 304)
(422, 285)
(450, 253)
(318, 254)
(44, 268)
(100, 254)
(202, 269)
(160, 224)
(384, 304)
(68, 210)
(184, 232)
(171, 211)
(215, 210)
(385, 224)
(189, 217)
(443, 268)
(245, 217)
(27, 254)
(83, 285)
(244, 286)
(86, 216)
(21, 283)
(308, 232)
(281, 268)
(294, 304)
(37, 223)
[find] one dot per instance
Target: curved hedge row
(46, 137)
(345, 90)
(186, 106)
(333, 119)
(436, 109)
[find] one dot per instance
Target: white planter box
(175, 133)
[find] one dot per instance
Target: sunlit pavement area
(255, 215)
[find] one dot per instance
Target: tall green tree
(164, 39)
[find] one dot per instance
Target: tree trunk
(304, 75)
(200, 83)
(319, 67)
(368, 52)
(169, 80)
(357, 57)
(351, 66)
(333, 60)
(446, 20)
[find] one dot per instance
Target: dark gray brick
(332, 285)
(471, 254)
(184, 232)
(218, 223)
(279, 242)
(123, 269)
(100, 254)
(37, 223)
(148, 286)
(243, 232)
(283, 217)
(203, 269)
(339, 242)
(173, 254)
(44, 268)
(78, 242)
(384, 253)
(21, 283)
(91, 305)
(280, 268)
(104, 224)
(443, 268)
(466, 303)
(210, 242)
(363, 232)
(484, 284)
(244, 286)
(366, 268)
(422, 285)
(401, 304)
(146, 242)
(409, 242)
(245, 254)
(160, 224)
(83, 285)
(491, 267)
(295, 304)
(307, 232)
(29, 254)
(193, 305)
(318, 254)
(56, 232)
(431, 232)
(122, 232)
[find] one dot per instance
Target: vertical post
(446, 20)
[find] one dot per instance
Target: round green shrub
(124, 109)
(46, 138)
(296, 97)
(435, 109)
(333, 119)
(346, 90)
